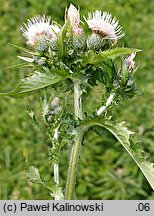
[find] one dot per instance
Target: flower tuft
(130, 63)
(74, 16)
(104, 25)
(39, 26)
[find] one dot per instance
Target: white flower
(74, 16)
(39, 26)
(129, 62)
(105, 25)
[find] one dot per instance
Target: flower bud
(73, 15)
(40, 61)
(130, 63)
(104, 25)
(76, 31)
(50, 118)
(41, 44)
(95, 42)
(54, 110)
(79, 40)
(57, 111)
(40, 33)
(130, 83)
(55, 103)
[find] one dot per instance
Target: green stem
(56, 173)
(72, 170)
(56, 165)
(77, 100)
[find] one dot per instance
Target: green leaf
(26, 59)
(61, 39)
(19, 66)
(123, 136)
(33, 175)
(124, 73)
(33, 118)
(96, 58)
(35, 82)
(25, 50)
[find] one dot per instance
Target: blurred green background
(105, 171)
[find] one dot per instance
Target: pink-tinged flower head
(74, 16)
(129, 61)
(78, 31)
(39, 26)
(104, 25)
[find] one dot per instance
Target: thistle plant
(72, 59)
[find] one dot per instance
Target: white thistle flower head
(104, 25)
(129, 61)
(39, 26)
(74, 16)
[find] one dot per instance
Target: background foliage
(105, 170)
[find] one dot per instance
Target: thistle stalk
(56, 165)
(77, 100)
(56, 173)
(72, 170)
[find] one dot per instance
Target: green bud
(79, 42)
(95, 41)
(40, 61)
(54, 110)
(58, 111)
(55, 103)
(41, 44)
(49, 118)
(130, 83)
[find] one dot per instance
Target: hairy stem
(77, 100)
(56, 173)
(72, 170)
(56, 165)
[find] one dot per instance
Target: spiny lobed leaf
(33, 175)
(96, 58)
(35, 82)
(123, 136)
